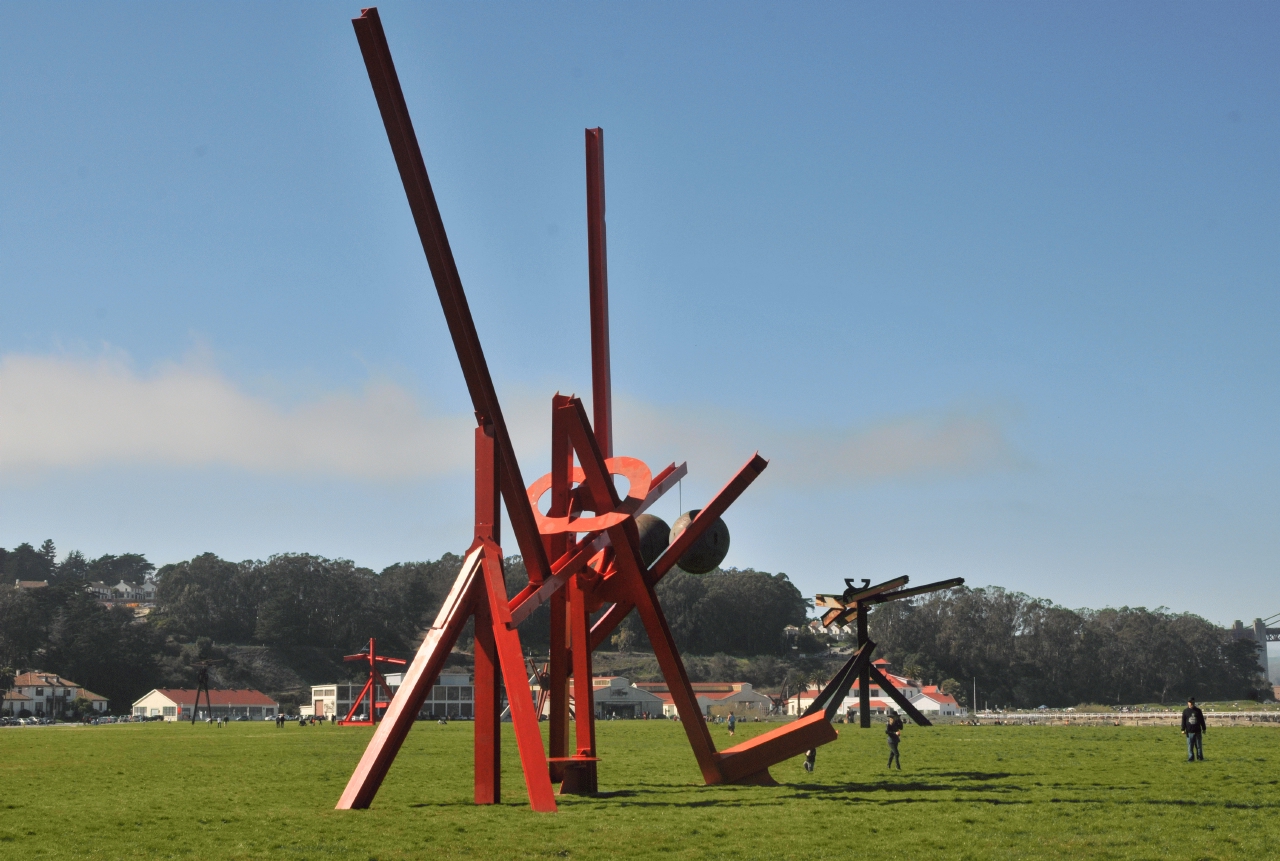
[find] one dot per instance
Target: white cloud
(957, 441)
(61, 412)
(65, 412)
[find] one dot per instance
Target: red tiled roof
(15, 696)
(26, 680)
(187, 696)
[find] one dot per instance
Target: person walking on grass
(894, 732)
(732, 723)
(1193, 728)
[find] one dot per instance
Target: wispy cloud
(948, 442)
(63, 412)
(66, 412)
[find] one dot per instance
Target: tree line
(1026, 652)
(1021, 651)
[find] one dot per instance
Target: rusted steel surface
(916, 590)
(598, 275)
(792, 739)
(488, 705)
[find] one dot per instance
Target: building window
(139, 711)
(39, 692)
(155, 712)
(453, 692)
(255, 711)
(170, 711)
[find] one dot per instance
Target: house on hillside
(100, 590)
(173, 704)
(134, 593)
(123, 592)
(48, 695)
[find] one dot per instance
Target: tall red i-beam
(582, 555)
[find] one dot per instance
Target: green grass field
(255, 791)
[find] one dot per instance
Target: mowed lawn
(251, 790)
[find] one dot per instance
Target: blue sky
(993, 285)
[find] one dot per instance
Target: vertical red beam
(558, 679)
(533, 759)
(598, 275)
(488, 519)
(444, 272)
(557, 545)
(584, 701)
(488, 728)
(864, 674)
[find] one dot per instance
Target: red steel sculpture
(582, 556)
(370, 656)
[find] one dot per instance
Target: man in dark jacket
(1193, 728)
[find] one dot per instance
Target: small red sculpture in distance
(370, 656)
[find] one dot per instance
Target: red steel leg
(488, 728)
(557, 545)
(580, 776)
(558, 672)
(533, 759)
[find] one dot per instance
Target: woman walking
(894, 732)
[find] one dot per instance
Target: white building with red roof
(933, 701)
(716, 699)
(928, 699)
(173, 704)
(48, 695)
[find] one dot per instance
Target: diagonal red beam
(533, 759)
(605, 625)
(424, 669)
(444, 271)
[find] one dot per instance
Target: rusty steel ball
(655, 535)
(710, 548)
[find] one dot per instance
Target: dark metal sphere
(710, 548)
(654, 537)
